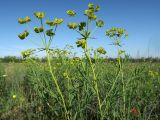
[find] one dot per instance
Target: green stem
(124, 94)
(57, 85)
(95, 79)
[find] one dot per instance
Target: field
(28, 91)
(89, 85)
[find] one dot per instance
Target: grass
(37, 98)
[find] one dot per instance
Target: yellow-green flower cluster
(14, 96)
(76, 59)
(101, 50)
(71, 12)
(56, 21)
(38, 29)
(118, 32)
(50, 32)
(39, 15)
(27, 53)
(99, 23)
(72, 25)
(81, 26)
(91, 10)
(25, 20)
(121, 52)
(81, 43)
(153, 73)
(23, 35)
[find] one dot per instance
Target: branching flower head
(93, 7)
(99, 23)
(50, 33)
(72, 25)
(81, 26)
(39, 15)
(27, 53)
(116, 32)
(38, 29)
(23, 35)
(57, 21)
(101, 50)
(81, 43)
(25, 20)
(71, 12)
(50, 23)
(90, 14)
(91, 10)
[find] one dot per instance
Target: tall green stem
(56, 83)
(94, 78)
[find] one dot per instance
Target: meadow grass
(37, 98)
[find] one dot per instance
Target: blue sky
(140, 18)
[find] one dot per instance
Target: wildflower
(57, 21)
(82, 25)
(50, 32)
(23, 35)
(27, 53)
(134, 112)
(97, 8)
(39, 15)
(50, 23)
(23, 21)
(91, 6)
(38, 30)
(4, 75)
(90, 14)
(81, 43)
(27, 19)
(120, 52)
(92, 17)
(71, 12)
(14, 96)
(101, 50)
(99, 23)
(116, 32)
(72, 25)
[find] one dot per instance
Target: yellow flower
(50, 33)
(38, 30)
(99, 23)
(81, 43)
(39, 15)
(101, 50)
(57, 21)
(23, 35)
(25, 20)
(71, 12)
(72, 25)
(14, 96)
